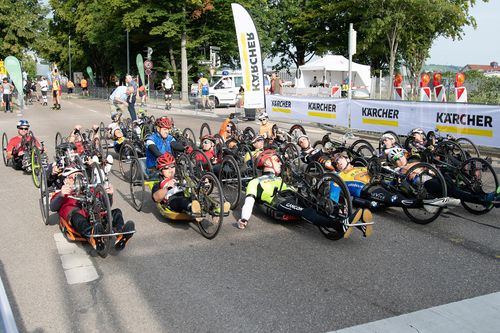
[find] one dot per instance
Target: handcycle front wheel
(5, 142)
(137, 187)
(101, 209)
(210, 195)
(36, 166)
(333, 199)
(477, 176)
(414, 187)
(125, 157)
(230, 179)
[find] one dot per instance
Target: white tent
(335, 69)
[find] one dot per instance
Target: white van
(225, 88)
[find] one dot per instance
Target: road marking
(478, 314)
(92, 110)
(76, 263)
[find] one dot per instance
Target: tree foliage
(22, 21)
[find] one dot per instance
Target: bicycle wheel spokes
(334, 200)
(137, 187)
(36, 166)
(230, 180)
(209, 194)
(478, 177)
(101, 211)
(127, 154)
(44, 198)
(424, 183)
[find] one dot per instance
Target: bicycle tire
(412, 212)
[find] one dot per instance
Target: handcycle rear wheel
(230, 179)
(363, 148)
(333, 200)
(209, 194)
(5, 142)
(481, 179)
(137, 187)
(469, 147)
(415, 188)
(125, 157)
(295, 131)
(101, 208)
(44, 198)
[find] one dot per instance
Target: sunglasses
(169, 167)
(397, 158)
(205, 142)
(23, 128)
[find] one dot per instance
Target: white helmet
(389, 136)
(263, 116)
(69, 171)
(395, 153)
(417, 130)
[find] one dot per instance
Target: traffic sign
(148, 64)
(148, 71)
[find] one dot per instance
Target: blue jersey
(162, 144)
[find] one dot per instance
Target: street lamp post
(128, 56)
(69, 55)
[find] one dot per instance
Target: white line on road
(92, 110)
(478, 314)
(76, 263)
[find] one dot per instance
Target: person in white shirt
(44, 87)
(168, 87)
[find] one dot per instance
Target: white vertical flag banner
(250, 56)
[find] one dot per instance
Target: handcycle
(203, 186)
(34, 159)
(314, 192)
(411, 185)
(473, 175)
(359, 148)
(90, 192)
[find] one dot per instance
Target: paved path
(280, 277)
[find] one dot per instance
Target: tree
(21, 22)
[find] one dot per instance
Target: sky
(480, 46)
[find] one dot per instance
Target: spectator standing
(132, 96)
(85, 87)
(7, 89)
(44, 87)
(276, 85)
(203, 91)
(314, 82)
(70, 86)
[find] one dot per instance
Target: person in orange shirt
(85, 87)
(70, 86)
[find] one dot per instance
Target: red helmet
(163, 122)
(208, 137)
(165, 160)
(264, 156)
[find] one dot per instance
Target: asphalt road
(271, 277)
